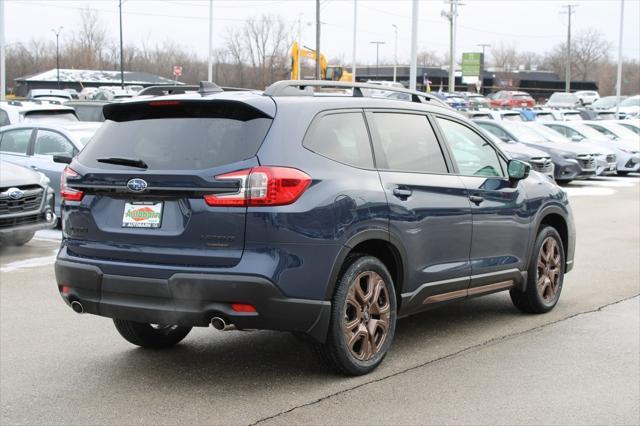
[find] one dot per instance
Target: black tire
(150, 336)
(542, 293)
(622, 173)
(380, 313)
(563, 181)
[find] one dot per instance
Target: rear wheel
(545, 275)
(363, 317)
(151, 335)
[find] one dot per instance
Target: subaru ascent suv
(310, 208)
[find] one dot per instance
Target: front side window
(15, 141)
(52, 143)
(341, 137)
(408, 143)
(474, 155)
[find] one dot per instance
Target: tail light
(67, 193)
(262, 186)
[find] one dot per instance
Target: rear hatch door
(145, 175)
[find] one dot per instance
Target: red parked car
(511, 99)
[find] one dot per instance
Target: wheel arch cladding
(559, 223)
(381, 249)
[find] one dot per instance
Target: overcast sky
(529, 25)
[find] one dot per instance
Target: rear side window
(189, 136)
(89, 112)
(342, 137)
(52, 143)
(409, 143)
(15, 141)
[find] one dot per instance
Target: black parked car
(26, 204)
(327, 215)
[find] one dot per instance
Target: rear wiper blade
(133, 162)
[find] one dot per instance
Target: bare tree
(529, 60)
(504, 57)
(429, 58)
(588, 51)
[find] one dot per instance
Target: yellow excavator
(327, 72)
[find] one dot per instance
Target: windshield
(54, 115)
(606, 102)
(545, 116)
(547, 133)
(634, 101)
(512, 117)
(589, 132)
(563, 97)
(522, 133)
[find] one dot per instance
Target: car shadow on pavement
(217, 359)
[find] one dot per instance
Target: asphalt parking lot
(477, 361)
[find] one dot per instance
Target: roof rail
(299, 88)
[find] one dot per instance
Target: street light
(377, 43)
(121, 62)
(57, 33)
(395, 53)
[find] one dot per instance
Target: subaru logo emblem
(15, 193)
(137, 185)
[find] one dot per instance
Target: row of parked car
(555, 142)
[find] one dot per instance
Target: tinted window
(341, 137)
(474, 155)
(50, 143)
(409, 143)
(15, 141)
(4, 118)
(172, 139)
(54, 115)
(89, 112)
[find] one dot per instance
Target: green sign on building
(471, 64)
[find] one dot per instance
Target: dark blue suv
(330, 214)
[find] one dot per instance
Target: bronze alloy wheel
(367, 313)
(549, 269)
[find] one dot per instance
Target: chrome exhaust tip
(77, 307)
(221, 325)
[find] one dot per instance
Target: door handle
(402, 193)
(34, 167)
(476, 199)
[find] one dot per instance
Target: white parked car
(17, 112)
(629, 108)
(587, 97)
(632, 124)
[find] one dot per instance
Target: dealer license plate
(145, 214)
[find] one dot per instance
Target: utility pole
(57, 33)
(482, 45)
(210, 69)
(318, 39)
(567, 72)
(3, 74)
(121, 54)
(619, 76)
(452, 16)
(355, 33)
(413, 68)
(395, 53)
(377, 43)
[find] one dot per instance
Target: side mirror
(62, 159)
(518, 170)
(575, 138)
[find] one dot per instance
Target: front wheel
(151, 335)
(363, 317)
(545, 275)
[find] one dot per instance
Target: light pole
(413, 67)
(619, 71)
(395, 53)
(377, 43)
(3, 78)
(483, 47)
(567, 72)
(355, 33)
(57, 33)
(121, 61)
(210, 67)
(318, 40)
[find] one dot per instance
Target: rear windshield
(54, 115)
(189, 138)
(512, 117)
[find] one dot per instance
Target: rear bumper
(190, 299)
